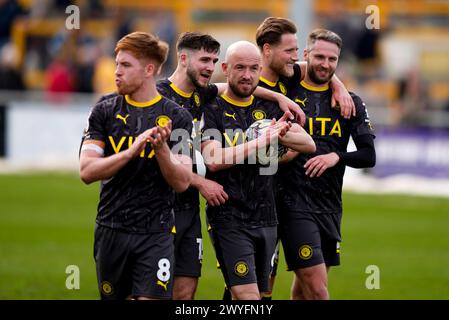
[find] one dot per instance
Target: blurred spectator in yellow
(103, 82)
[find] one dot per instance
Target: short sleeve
(95, 129)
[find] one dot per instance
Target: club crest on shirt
(282, 88)
(196, 98)
(162, 121)
(259, 115)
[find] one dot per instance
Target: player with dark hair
(127, 146)
(310, 218)
(243, 229)
(190, 87)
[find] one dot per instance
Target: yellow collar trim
(180, 92)
(313, 88)
(238, 103)
(268, 82)
(143, 104)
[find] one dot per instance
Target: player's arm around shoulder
(341, 97)
(285, 104)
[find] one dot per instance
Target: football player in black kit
(243, 229)
(127, 146)
(190, 87)
(277, 40)
(310, 218)
(281, 72)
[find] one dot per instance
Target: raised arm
(95, 167)
(285, 104)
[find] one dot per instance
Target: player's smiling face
(284, 55)
(129, 73)
(322, 60)
(243, 73)
(201, 66)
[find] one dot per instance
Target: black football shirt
(251, 195)
(137, 199)
(194, 102)
(331, 133)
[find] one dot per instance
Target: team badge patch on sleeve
(305, 252)
(241, 268)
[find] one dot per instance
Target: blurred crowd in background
(402, 67)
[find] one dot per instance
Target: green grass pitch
(47, 222)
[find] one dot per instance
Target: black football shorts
(310, 239)
(245, 255)
(188, 243)
(131, 265)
